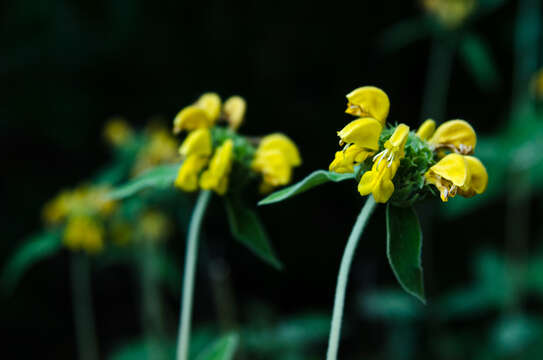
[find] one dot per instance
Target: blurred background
(68, 66)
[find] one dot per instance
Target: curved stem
(339, 300)
(87, 347)
(188, 275)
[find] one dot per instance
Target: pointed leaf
(247, 228)
(222, 349)
(314, 179)
(404, 247)
(37, 248)
(159, 177)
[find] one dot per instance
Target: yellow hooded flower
(378, 180)
(216, 176)
(368, 101)
(234, 110)
(450, 174)
(84, 233)
(361, 137)
(478, 178)
(203, 113)
(426, 130)
(198, 142)
(117, 131)
(275, 157)
(455, 135)
(160, 148)
(187, 177)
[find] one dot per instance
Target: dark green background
(66, 66)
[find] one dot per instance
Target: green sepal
(316, 178)
(247, 228)
(404, 247)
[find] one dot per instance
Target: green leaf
(247, 228)
(159, 177)
(404, 247)
(314, 179)
(222, 349)
(479, 61)
(37, 248)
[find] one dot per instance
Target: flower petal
(198, 142)
(368, 101)
(363, 132)
(426, 130)
(457, 133)
(211, 104)
(234, 110)
(281, 143)
(191, 118)
(479, 177)
(453, 168)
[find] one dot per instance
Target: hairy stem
(339, 300)
(183, 339)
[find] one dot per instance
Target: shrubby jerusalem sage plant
(398, 167)
(217, 159)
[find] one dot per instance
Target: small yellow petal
(345, 160)
(216, 176)
(479, 177)
(454, 168)
(368, 101)
(457, 134)
(234, 110)
(399, 137)
(283, 144)
(190, 118)
(187, 177)
(198, 142)
(427, 129)
(211, 104)
(378, 181)
(363, 132)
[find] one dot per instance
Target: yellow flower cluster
(197, 148)
(361, 140)
(160, 148)
(451, 144)
(118, 132)
(450, 13)
(456, 171)
(82, 209)
(274, 158)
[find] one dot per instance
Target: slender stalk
(438, 78)
(339, 300)
(188, 276)
(151, 301)
(87, 344)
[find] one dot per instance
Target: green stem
(438, 78)
(188, 276)
(151, 301)
(339, 300)
(87, 344)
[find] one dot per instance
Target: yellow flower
(378, 180)
(154, 225)
(203, 113)
(368, 101)
(537, 84)
(450, 12)
(361, 137)
(160, 148)
(84, 233)
(450, 174)
(234, 110)
(58, 208)
(216, 176)
(187, 177)
(455, 135)
(275, 157)
(117, 131)
(198, 142)
(426, 130)
(478, 178)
